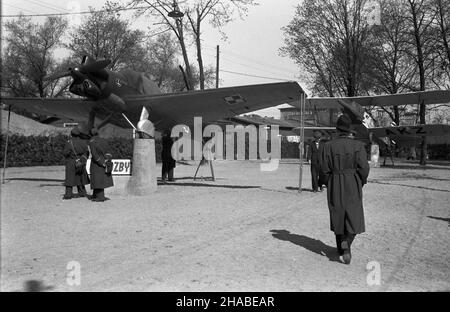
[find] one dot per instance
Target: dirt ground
(247, 231)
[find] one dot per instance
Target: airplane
(363, 124)
(127, 98)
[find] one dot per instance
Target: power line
(47, 5)
(255, 76)
(249, 66)
(71, 13)
(13, 6)
(249, 59)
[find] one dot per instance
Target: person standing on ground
(314, 154)
(75, 148)
(345, 169)
(101, 166)
(168, 162)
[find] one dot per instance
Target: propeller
(84, 68)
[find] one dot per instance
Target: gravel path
(248, 231)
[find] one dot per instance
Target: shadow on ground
(292, 188)
(311, 244)
(36, 286)
(193, 184)
(410, 186)
(440, 219)
(418, 167)
(35, 180)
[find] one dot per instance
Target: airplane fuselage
(109, 91)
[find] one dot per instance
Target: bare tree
(392, 71)
(103, 34)
(442, 9)
(219, 13)
(28, 56)
(161, 9)
(329, 39)
(421, 18)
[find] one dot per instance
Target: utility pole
(217, 68)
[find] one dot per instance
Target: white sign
(120, 167)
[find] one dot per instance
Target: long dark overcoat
(166, 153)
(80, 148)
(100, 151)
(345, 169)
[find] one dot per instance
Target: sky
(250, 55)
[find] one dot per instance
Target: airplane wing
(411, 131)
(72, 109)
(434, 133)
(214, 104)
(428, 97)
(167, 110)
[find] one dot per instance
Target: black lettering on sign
(115, 166)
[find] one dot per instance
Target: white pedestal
(143, 180)
(375, 156)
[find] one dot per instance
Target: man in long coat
(314, 154)
(75, 147)
(345, 168)
(101, 156)
(168, 162)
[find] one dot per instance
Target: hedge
(47, 151)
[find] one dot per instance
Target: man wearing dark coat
(168, 163)
(100, 161)
(75, 147)
(345, 168)
(314, 154)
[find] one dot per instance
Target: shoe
(347, 256)
(98, 200)
(321, 189)
(65, 197)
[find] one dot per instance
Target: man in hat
(345, 169)
(75, 148)
(314, 154)
(101, 162)
(168, 162)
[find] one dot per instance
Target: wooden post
(217, 68)
(302, 138)
(6, 145)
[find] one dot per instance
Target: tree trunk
(185, 55)
(199, 54)
(396, 116)
(443, 26)
(420, 63)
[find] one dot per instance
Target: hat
(94, 131)
(317, 134)
(75, 131)
(344, 123)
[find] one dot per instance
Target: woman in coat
(345, 168)
(101, 161)
(75, 147)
